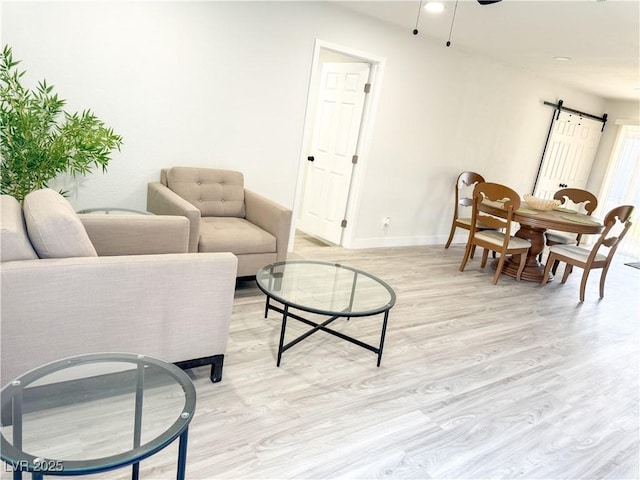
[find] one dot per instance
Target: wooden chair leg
(485, 255)
(453, 229)
(465, 259)
(523, 262)
(547, 267)
(603, 277)
(498, 269)
(567, 272)
(583, 283)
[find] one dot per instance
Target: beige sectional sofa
(74, 284)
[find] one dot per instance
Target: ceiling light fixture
(562, 59)
(434, 7)
(431, 7)
(439, 7)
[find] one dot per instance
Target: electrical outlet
(386, 222)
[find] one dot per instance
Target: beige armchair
(223, 215)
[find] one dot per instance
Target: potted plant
(39, 140)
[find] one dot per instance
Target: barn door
(569, 154)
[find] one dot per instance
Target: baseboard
(388, 241)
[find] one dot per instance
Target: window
(622, 185)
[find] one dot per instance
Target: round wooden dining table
(533, 225)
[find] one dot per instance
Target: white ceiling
(601, 37)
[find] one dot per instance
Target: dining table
(533, 225)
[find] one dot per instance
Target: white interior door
(569, 154)
(334, 142)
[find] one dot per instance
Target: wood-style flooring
(477, 381)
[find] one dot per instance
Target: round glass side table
(93, 413)
(108, 210)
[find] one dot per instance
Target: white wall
(225, 85)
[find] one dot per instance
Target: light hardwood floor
(476, 381)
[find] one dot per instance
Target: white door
(569, 154)
(333, 146)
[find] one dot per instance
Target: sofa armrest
(163, 201)
(137, 234)
(271, 217)
(176, 307)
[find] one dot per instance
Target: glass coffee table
(94, 413)
(327, 289)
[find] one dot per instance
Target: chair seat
(240, 236)
(575, 253)
(497, 238)
(555, 238)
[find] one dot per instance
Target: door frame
(371, 102)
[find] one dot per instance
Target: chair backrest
(610, 237)
(502, 196)
(215, 192)
(465, 179)
(578, 196)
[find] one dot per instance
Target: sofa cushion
(235, 235)
(14, 242)
(217, 193)
(55, 230)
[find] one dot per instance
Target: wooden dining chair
(583, 199)
(589, 259)
(465, 179)
(498, 239)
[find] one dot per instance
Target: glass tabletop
(108, 210)
(325, 288)
(93, 412)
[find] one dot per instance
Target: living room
(226, 85)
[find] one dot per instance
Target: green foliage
(39, 140)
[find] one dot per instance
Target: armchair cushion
(235, 235)
(218, 193)
(13, 232)
(54, 227)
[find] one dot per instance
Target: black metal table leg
(182, 455)
(137, 424)
(384, 329)
(285, 312)
(266, 307)
(16, 412)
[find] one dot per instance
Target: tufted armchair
(223, 215)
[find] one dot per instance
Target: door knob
(311, 158)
